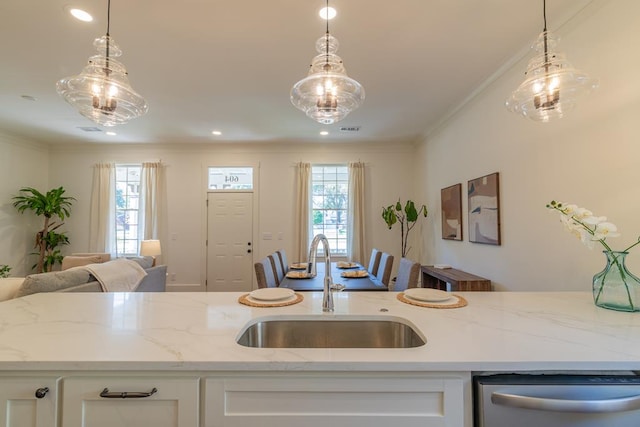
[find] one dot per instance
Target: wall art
(484, 209)
(451, 205)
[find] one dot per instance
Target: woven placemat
(246, 301)
(461, 302)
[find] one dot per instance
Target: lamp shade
(150, 248)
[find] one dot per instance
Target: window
(330, 197)
(127, 214)
(230, 178)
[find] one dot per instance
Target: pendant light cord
(108, 15)
(544, 32)
(327, 36)
(108, 37)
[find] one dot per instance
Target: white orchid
(588, 227)
(604, 230)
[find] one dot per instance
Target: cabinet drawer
(316, 401)
(28, 402)
(130, 402)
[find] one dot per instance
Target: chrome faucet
(327, 298)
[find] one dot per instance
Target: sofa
(79, 279)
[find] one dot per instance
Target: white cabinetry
(28, 402)
(130, 402)
(336, 400)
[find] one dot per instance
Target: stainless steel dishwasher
(507, 400)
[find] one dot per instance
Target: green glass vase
(615, 287)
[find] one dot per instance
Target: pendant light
(327, 94)
(552, 85)
(101, 92)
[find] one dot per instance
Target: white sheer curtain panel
(150, 209)
(102, 219)
(355, 216)
(302, 211)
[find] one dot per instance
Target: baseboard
(185, 287)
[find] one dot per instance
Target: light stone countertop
(497, 331)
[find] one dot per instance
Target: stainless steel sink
(330, 332)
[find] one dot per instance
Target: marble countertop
(497, 331)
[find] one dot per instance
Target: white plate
(427, 294)
(342, 264)
(271, 294)
(269, 303)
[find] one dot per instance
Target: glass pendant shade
(552, 86)
(327, 94)
(101, 92)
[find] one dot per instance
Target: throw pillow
(143, 261)
(78, 261)
(53, 281)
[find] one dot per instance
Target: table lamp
(150, 248)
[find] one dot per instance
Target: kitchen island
(187, 343)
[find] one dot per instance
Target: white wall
(22, 164)
(591, 158)
(388, 177)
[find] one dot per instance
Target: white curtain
(151, 207)
(302, 211)
(151, 190)
(355, 225)
(102, 219)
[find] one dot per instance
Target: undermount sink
(331, 332)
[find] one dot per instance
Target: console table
(459, 280)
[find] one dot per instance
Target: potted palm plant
(406, 216)
(51, 204)
(4, 271)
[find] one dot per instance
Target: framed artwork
(451, 203)
(484, 209)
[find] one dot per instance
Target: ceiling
(229, 65)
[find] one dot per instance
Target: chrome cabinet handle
(42, 392)
(126, 394)
(620, 404)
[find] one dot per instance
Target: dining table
(316, 283)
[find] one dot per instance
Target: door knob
(42, 392)
(248, 251)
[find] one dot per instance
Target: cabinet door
(130, 402)
(335, 401)
(28, 402)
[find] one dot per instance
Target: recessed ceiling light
(324, 132)
(328, 13)
(216, 132)
(81, 15)
(110, 133)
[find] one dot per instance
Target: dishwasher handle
(620, 404)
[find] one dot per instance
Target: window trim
(334, 247)
(138, 237)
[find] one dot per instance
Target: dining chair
(283, 260)
(374, 262)
(384, 269)
(408, 275)
(265, 274)
(277, 267)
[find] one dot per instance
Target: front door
(229, 242)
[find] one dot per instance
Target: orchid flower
(588, 227)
